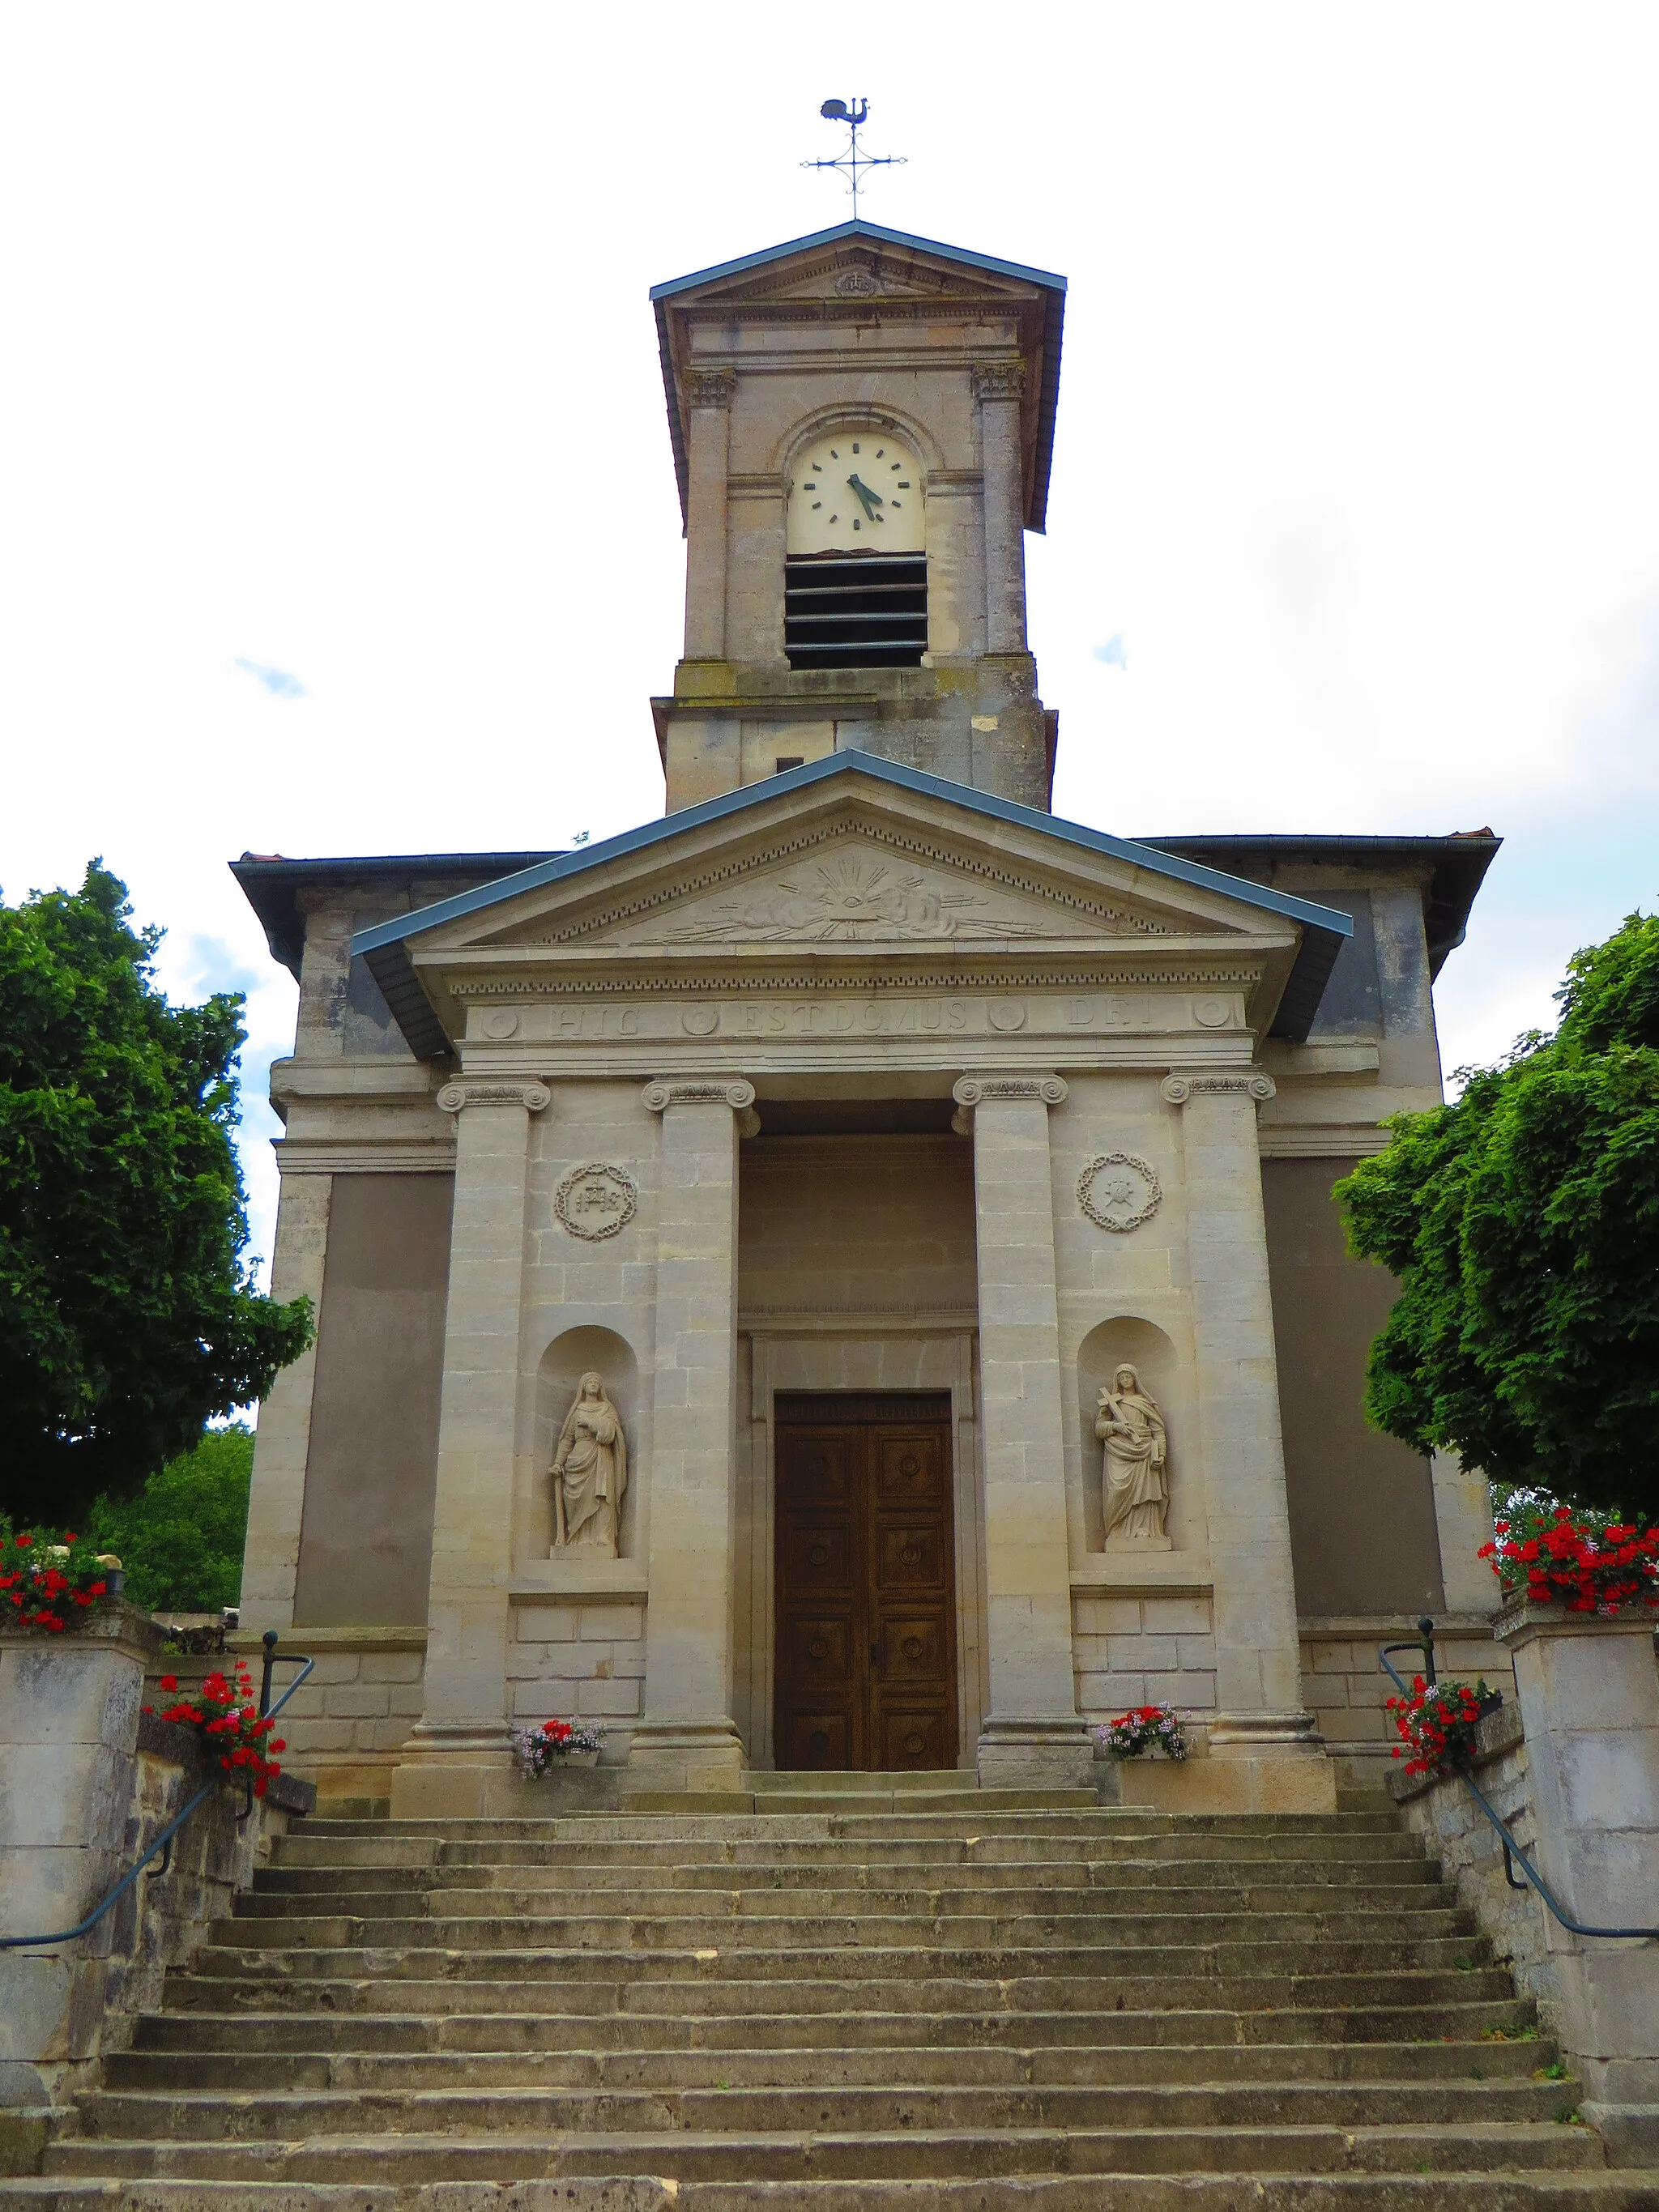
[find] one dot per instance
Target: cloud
(1112, 653)
(277, 681)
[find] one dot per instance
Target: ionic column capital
(1240, 1082)
(710, 387)
(971, 1090)
(735, 1091)
(528, 1092)
(998, 379)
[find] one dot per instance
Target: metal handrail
(1512, 1850)
(164, 1841)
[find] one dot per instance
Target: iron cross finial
(854, 160)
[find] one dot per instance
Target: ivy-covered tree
(128, 1317)
(1523, 1221)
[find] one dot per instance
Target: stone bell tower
(862, 425)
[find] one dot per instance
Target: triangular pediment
(851, 886)
(851, 866)
(855, 273)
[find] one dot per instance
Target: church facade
(844, 1277)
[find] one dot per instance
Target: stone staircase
(888, 1995)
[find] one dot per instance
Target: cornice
(362, 1155)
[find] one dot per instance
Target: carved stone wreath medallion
(1118, 1191)
(595, 1201)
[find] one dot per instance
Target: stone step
(904, 1798)
(224, 2116)
(703, 1993)
(967, 2066)
(525, 1888)
(769, 1924)
(754, 1952)
(925, 2156)
(1381, 1821)
(554, 1841)
(1441, 2026)
(1566, 2190)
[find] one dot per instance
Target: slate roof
(1052, 289)
(384, 947)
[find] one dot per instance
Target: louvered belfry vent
(855, 609)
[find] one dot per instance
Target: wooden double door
(866, 1580)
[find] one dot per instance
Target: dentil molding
(1246, 1082)
(530, 1094)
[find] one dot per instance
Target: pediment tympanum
(853, 889)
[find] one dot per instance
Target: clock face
(856, 491)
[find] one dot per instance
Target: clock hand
(871, 500)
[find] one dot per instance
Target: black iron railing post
(270, 1641)
(1426, 1629)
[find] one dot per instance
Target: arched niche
(564, 1364)
(1164, 1373)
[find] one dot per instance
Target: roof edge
(857, 227)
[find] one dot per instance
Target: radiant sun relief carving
(851, 900)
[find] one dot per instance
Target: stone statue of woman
(590, 1472)
(1136, 1493)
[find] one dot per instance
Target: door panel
(866, 1584)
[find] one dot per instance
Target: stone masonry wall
(1457, 1834)
(580, 1658)
(1142, 1650)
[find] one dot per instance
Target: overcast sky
(337, 512)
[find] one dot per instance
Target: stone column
(1032, 1733)
(1260, 1714)
(708, 394)
(459, 1757)
(998, 387)
(1589, 1705)
(687, 1739)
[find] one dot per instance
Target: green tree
(128, 1317)
(1523, 1221)
(180, 1540)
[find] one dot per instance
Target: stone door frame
(838, 1353)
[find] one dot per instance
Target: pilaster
(1260, 1714)
(687, 1739)
(271, 1558)
(459, 1756)
(708, 394)
(998, 387)
(1033, 1733)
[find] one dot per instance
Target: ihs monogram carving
(850, 899)
(856, 283)
(1119, 1191)
(595, 1201)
